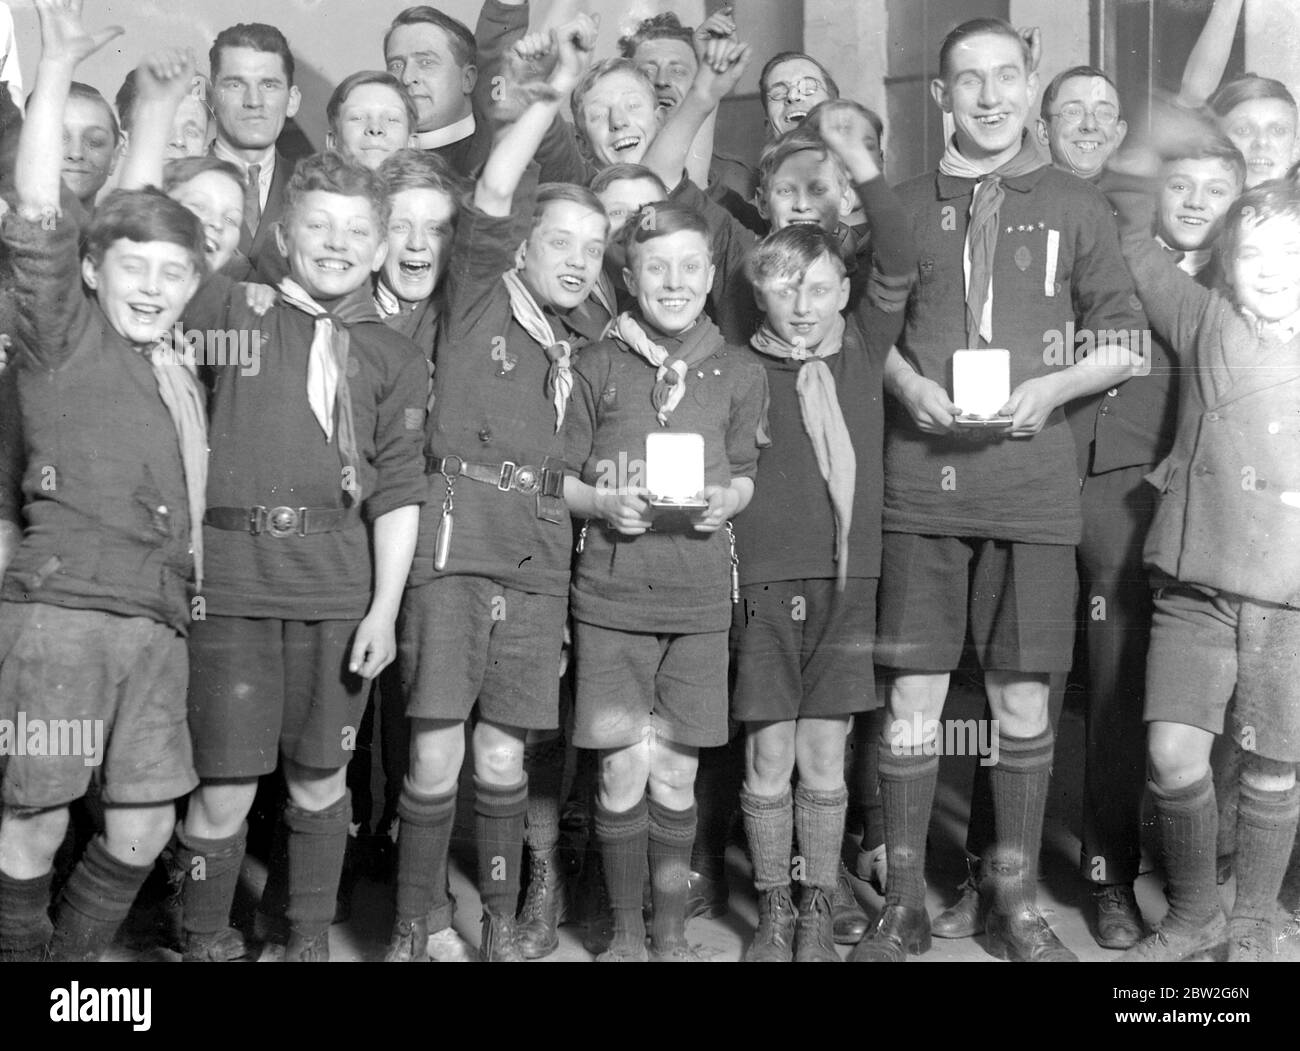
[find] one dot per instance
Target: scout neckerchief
(823, 419)
(178, 386)
(327, 368)
(982, 232)
(559, 377)
(698, 343)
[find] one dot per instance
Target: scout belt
(507, 477)
(281, 521)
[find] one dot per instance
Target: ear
(848, 201)
(118, 150)
(281, 242)
(468, 79)
(1044, 139)
(330, 140)
(1121, 131)
(520, 254)
(90, 273)
(381, 253)
(713, 270)
(760, 202)
(1033, 84)
(629, 279)
(843, 298)
(295, 100)
(939, 92)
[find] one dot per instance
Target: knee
(315, 789)
(821, 764)
(35, 835)
(498, 762)
(138, 835)
(217, 810)
(672, 777)
(1020, 704)
(770, 763)
(1172, 763)
(436, 756)
(1267, 775)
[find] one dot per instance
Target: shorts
(263, 687)
(88, 695)
(1206, 647)
(464, 640)
(631, 684)
(1019, 600)
(803, 649)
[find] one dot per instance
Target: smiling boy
(307, 480)
(370, 116)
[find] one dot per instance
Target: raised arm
(710, 36)
(162, 82)
(571, 47)
(1209, 58)
(720, 71)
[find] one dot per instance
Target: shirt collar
(445, 136)
(266, 158)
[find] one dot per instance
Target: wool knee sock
(544, 768)
(907, 782)
(1266, 827)
(769, 829)
(316, 842)
(25, 926)
(819, 826)
(210, 870)
(1188, 819)
(1018, 781)
(95, 901)
(624, 839)
(500, 828)
(672, 832)
(424, 838)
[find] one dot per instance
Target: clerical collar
(445, 136)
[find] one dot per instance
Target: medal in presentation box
(674, 471)
(981, 385)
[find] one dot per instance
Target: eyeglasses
(805, 86)
(1104, 113)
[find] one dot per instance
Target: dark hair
(78, 90)
(1053, 89)
(618, 172)
(663, 26)
(463, 48)
(661, 220)
(1247, 89)
(550, 192)
(1275, 199)
(368, 76)
(594, 72)
(183, 169)
(1211, 146)
(832, 89)
(979, 27)
(255, 35)
(790, 253)
(142, 216)
(332, 172)
(782, 148)
(420, 170)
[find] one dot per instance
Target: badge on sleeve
(1024, 257)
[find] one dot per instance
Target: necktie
(253, 198)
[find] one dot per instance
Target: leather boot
(544, 909)
(410, 942)
(774, 940)
(964, 918)
(224, 946)
(308, 950)
(706, 895)
(814, 940)
(850, 921)
(499, 943)
(899, 930)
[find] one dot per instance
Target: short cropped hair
(143, 216)
(832, 88)
(1247, 89)
(797, 140)
(422, 170)
(979, 27)
(788, 255)
(78, 90)
(604, 178)
(1054, 88)
(550, 192)
(331, 172)
(661, 220)
(339, 97)
(604, 68)
(463, 47)
(183, 169)
(663, 26)
(255, 35)
(1214, 146)
(1275, 199)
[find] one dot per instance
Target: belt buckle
(506, 481)
(282, 521)
(446, 470)
(526, 480)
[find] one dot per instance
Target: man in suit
(253, 94)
